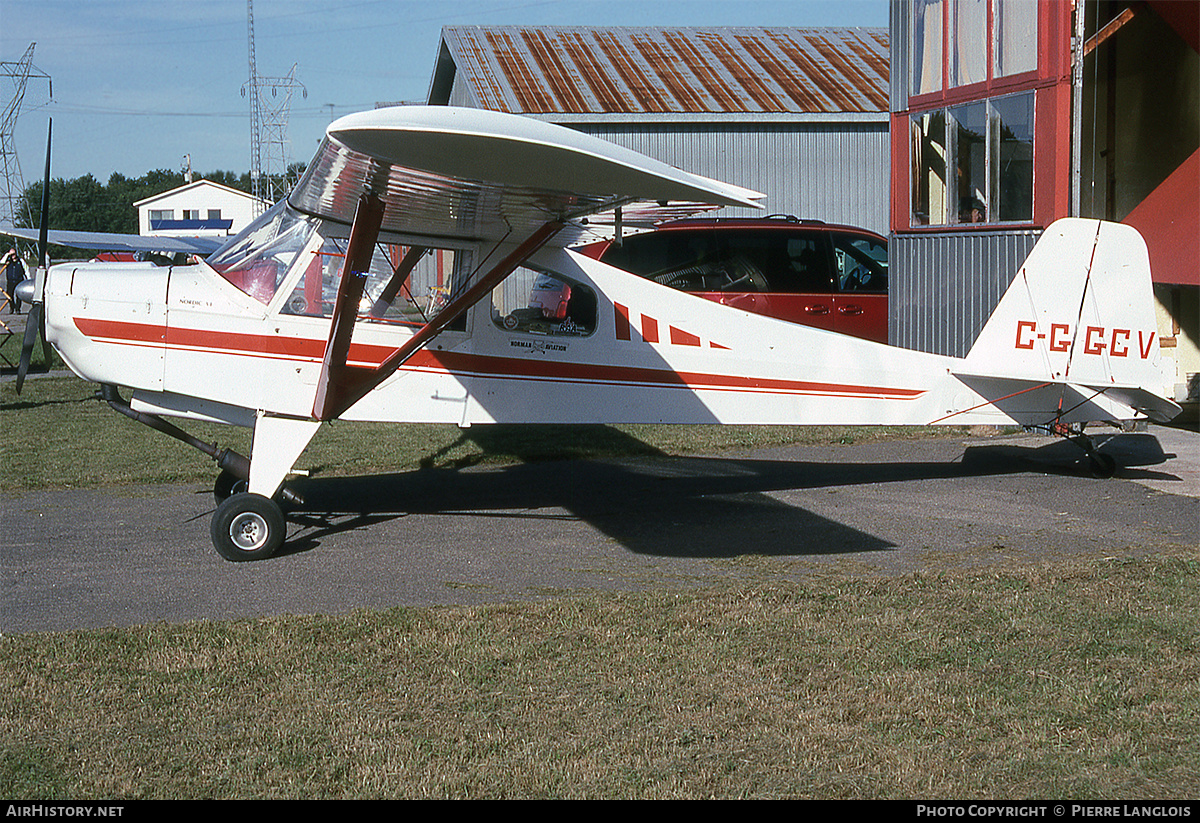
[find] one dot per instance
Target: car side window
(781, 262)
(862, 263)
(809, 268)
(733, 260)
(685, 260)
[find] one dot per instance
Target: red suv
(803, 271)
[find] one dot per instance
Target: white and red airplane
(421, 272)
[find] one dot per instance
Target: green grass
(1073, 681)
(69, 439)
(1068, 680)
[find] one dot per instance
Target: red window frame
(1051, 83)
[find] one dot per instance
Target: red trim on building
(1169, 220)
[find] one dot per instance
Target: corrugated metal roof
(621, 70)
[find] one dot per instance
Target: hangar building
(1009, 114)
(799, 114)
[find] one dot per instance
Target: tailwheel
(248, 527)
(1103, 466)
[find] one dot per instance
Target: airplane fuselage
(190, 343)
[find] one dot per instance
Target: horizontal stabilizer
(1038, 403)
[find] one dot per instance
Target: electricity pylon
(270, 107)
(12, 194)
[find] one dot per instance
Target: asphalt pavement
(142, 554)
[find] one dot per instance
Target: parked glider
(419, 272)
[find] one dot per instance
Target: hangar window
(1012, 158)
(927, 46)
(969, 63)
(973, 163)
(928, 151)
(1015, 35)
(951, 41)
(969, 139)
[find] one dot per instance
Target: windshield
(257, 259)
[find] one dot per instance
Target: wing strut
(342, 385)
(337, 378)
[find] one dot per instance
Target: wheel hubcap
(248, 531)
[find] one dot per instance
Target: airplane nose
(24, 290)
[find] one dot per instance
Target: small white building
(200, 209)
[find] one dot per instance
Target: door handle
(816, 310)
(850, 309)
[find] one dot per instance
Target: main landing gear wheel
(248, 527)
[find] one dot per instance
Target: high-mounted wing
(105, 241)
(473, 175)
(439, 173)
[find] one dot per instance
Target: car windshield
(257, 259)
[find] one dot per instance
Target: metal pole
(1077, 110)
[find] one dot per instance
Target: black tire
(248, 527)
(227, 485)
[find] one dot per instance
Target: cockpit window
(546, 303)
(257, 259)
(404, 285)
(412, 297)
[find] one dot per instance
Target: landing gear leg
(249, 522)
(1103, 465)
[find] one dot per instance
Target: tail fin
(1079, 321)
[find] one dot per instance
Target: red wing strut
(398, 279)
(337, 378)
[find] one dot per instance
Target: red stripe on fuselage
(255, 345)
(477, 365)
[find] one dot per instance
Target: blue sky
(138, 85)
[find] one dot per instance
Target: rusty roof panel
(634, 77)
(743, 73)
(606, 89)
(625, 70)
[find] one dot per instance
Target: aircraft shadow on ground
(675, 506)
